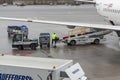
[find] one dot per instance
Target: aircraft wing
(100, 26)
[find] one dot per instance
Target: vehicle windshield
(17, 38)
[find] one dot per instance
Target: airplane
(107, 8)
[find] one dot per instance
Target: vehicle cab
(20, 41)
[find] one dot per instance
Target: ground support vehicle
(20, 42)
(17, 30)
(85, 35)
(36, 68)
(44, 39)
(85, 40)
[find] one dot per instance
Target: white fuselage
(110, 9)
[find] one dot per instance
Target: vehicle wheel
(26, 37)
(48, 45)
(96, 41)
(20, 47)
(33, 46)
(40, 46)
(73, 42)
(68, 44)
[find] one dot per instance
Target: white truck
(19, 41)
(35, 68)
(82, 35)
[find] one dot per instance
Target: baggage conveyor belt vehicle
(81, 35)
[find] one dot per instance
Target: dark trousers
(54, 42)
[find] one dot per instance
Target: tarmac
(100, 62)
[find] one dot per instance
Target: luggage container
(12, 30)
(44, 39)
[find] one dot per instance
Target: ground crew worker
(54, 39)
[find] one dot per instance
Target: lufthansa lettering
(14, 77)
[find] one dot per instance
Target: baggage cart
(44, 39)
